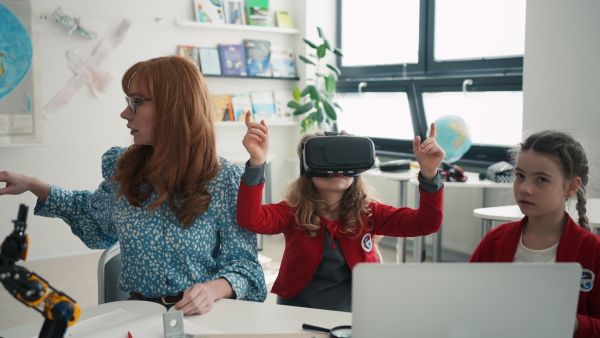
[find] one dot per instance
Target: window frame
(498, 74)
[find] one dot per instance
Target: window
(378, 114)
(494, 118)
(476, 30)
(365, 44)
(469, 63)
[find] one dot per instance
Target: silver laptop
(465, 300)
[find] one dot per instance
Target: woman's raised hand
(256, 141)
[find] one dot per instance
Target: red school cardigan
(303, 254)
(576, 245)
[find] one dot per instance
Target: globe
(15, 51)
(454, 136)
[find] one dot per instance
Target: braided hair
(572, 159)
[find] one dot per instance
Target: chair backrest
(109, 269)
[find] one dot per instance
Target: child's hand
(429, 155)
(256, 141)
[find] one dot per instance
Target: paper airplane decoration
(73, 24)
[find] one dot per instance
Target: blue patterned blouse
(160, 257)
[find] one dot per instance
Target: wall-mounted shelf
(254, 77)
(270, 123)
(194, 24)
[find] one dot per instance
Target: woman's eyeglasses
(133, 102)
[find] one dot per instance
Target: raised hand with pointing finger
(256, 141)
(429, 155)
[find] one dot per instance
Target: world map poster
(20, 106)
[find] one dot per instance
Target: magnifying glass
(344, 331)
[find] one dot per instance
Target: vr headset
(336, 154)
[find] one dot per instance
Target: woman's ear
(573, 186)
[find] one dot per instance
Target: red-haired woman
(168, 199)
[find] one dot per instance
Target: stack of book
(255, 58)
(263, 105)
(240, 12)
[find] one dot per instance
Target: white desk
(401, 177)
(472, 182)
(511, 213)
(228, 316)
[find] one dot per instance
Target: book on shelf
(258, 57)
(208, 11)
(282, 111)
(283, 19)
(241, 104)
(222, 110)
(210, 64)
(233, 59)
(283, 63)
(234, 12)
(263, 105)
(189, 52)
(259, 13)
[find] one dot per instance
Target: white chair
(109, 269)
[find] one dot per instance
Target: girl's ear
(573, 187)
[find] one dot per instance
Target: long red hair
(183, 157)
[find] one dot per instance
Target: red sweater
(575, 245)
(303, 254)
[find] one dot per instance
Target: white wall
(561, 79)
(76, 138)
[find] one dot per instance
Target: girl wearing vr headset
(329, 222)
(550, 168)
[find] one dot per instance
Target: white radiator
(461, 231)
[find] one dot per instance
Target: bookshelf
(205, 25)
(254, 77)
(271, 123)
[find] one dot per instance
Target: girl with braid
(550, 168)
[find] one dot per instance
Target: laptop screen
(465, 300)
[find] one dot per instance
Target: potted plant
(317, 99)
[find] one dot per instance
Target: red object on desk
(129, 335)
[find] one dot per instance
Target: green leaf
(329, 110)
(335, 69)
(307, 122)
(305, 108)
(320, 75)
(337, 51)
(312, 91)
(330, 84)
(337, 105)
(326, 43)
(294, 104)
(296, 93)
(308, 42)
(321, 50)
(320, 115)
(321, 35)
(303, 58)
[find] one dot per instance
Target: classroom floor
(76, 276)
